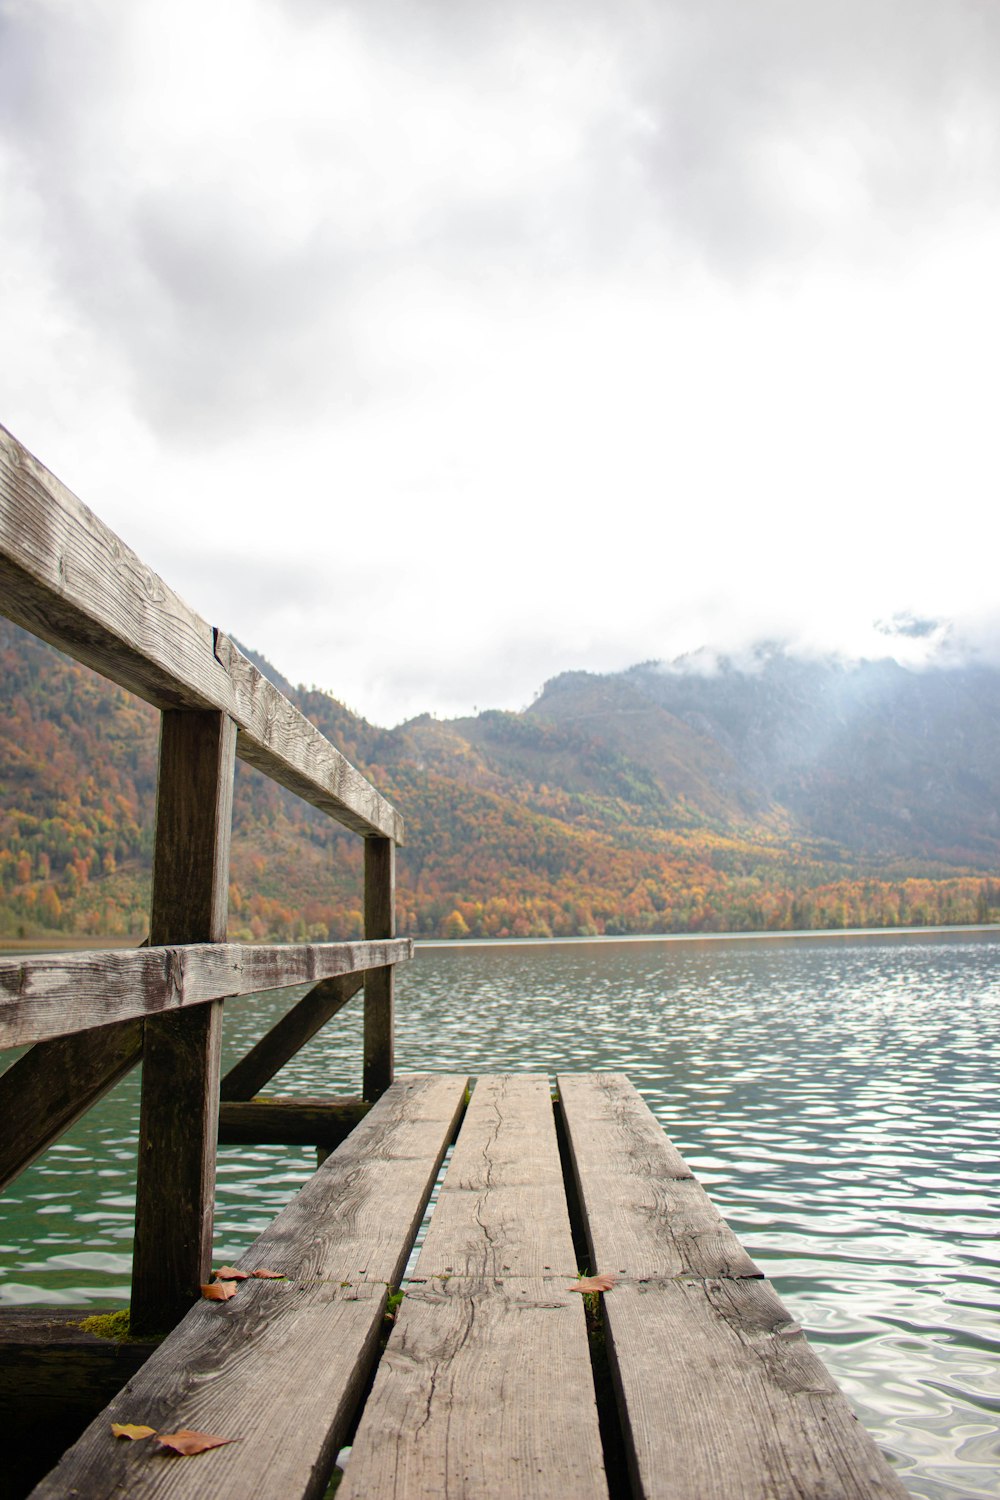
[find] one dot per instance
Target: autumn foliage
(515, 828)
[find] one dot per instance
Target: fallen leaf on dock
(230, 1273)
(132, 1431)
(185, 1442)
(219, 1291)
(268, 1275)
(593, 1284)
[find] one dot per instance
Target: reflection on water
(838, 1099)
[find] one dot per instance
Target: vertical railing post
(380, 922)
(180, 1069)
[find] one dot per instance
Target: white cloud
(432, 353)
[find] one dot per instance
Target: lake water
(837, 1096)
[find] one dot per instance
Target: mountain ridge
(646, 800)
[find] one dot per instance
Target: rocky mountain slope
(884, 760)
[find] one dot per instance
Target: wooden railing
(89, 1017)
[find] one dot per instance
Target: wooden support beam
(65, 576)
(380, 922)
(189, 902)
(281, 1121)
(54, 1083)
(178, 1128)
(56, 994)
(298, 1026)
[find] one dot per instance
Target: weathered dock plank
(720, 1395)
(281, 1366)
(502, 1208)
(651, 1217)
(485, 1387)
(339, 1228)
(725, 1399)
(58, 994)
(279, 1369)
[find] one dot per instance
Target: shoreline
(819, 934)
(81, 943)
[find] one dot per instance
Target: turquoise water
(837, 1097)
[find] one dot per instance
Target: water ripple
(838, 1098)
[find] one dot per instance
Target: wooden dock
(486, 1385)
(499, 1374)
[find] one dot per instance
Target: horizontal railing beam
(69, 579)
(283, 1121)
(59, 994)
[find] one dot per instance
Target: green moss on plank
(114, 1325)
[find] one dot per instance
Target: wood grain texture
(189, 900)
(178, 1120)
(725, 1400)
(48, 1089)
(280, 1121)
(175, 1181)
(645, 1214)
(349, 1223)
(719, 1394)
(58, 994)
(282, 1365)
(279, 1368)
(501, 1210)
(380, 923)
(298, 1026)
(282, 743)
(485, 1389)
(65, 576)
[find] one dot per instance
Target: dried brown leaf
(185, 1442)
(132, 1431)
(219, 1291)
(268, 1275)
(230, 1273)
(593, 1284)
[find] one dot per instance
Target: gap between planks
(485, 1386)
(281, 1367)
(720, 1395)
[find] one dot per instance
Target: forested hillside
(648, 801)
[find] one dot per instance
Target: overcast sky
(434, 348)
